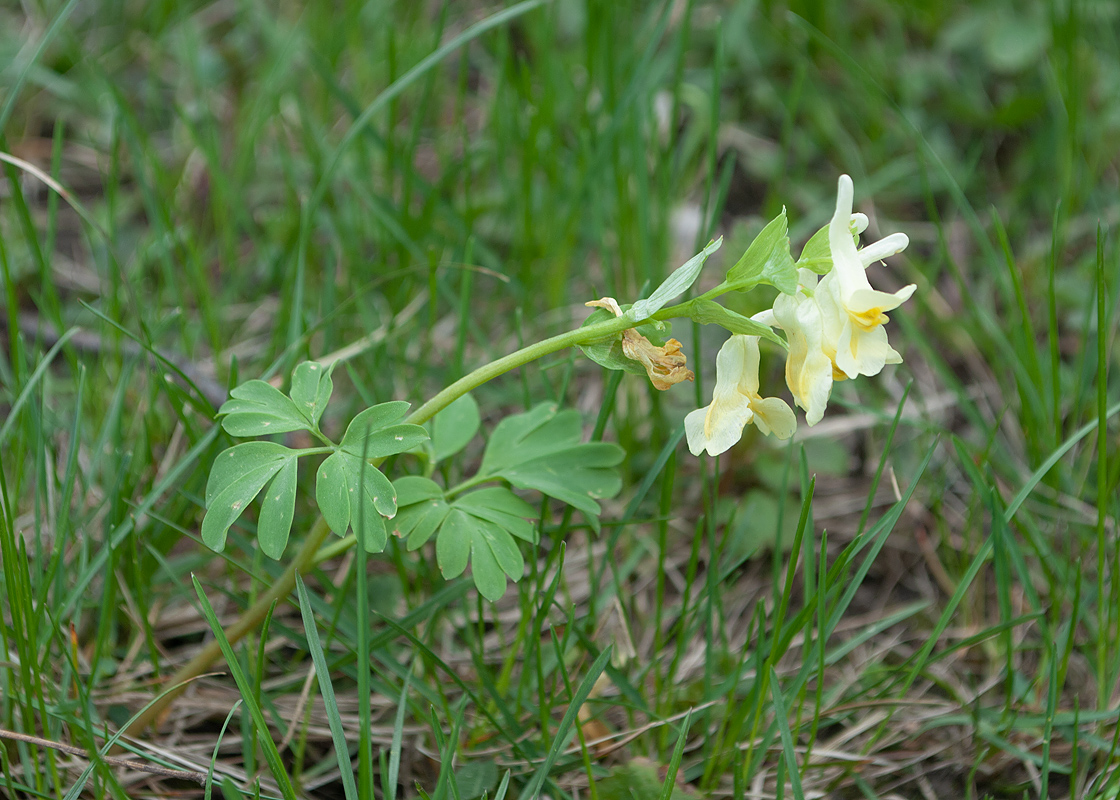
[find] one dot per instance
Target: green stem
(516, 359)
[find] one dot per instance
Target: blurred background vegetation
(249, 198)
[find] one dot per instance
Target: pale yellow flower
(736, 403)
(852, 313)
(809, 369)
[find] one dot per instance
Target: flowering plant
(833, 330)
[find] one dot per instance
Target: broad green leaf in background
(311, 390)
(709, 312)
(372, 433)
(237, 477)
(677, 283)
(767, 260)
(259, 409)
(454, 427)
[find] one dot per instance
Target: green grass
(920, 597)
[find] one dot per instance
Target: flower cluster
(834, 329)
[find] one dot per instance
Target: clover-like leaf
(278, 508)
(372, 433)
(709, 312)
(679, 281)
(258, 409)
(237, 477)
(455, 426)
(311, 390)
(767, 260)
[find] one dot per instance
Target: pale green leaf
(817, 254)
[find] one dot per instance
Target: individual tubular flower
(736, 402)
(809, 369)
(852, 313)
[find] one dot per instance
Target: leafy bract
(709, 312)
(541, 449)
(767, 260)
(237, 477)
(816, 254)
(454, 427)
(258, 409)
(677, 283)
(311, 390)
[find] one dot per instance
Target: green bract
(709, 312)
(767, 260)
(677, 283)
